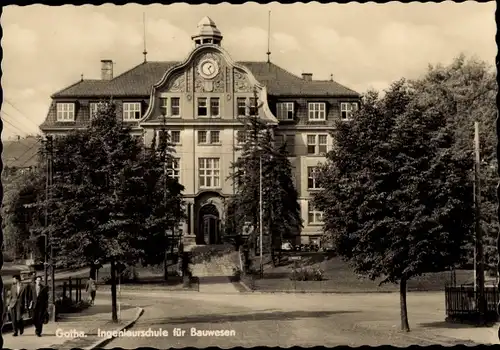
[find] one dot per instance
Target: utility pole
(163, 155)
(260, 216)
(479, 236)
(48, 242)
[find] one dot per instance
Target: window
(284, 111)
(315, 217)
(316, 144)
(174, 136)
(290, 144)
(163, 105)
(65, 112)
(312, 178)
(253, 106)
(242, 106)
(93, 110)
(317, 111)
(202, 107)
(214, 136)
(240, 137)
(214, 107)
(209, 137)
(174, 168)
(175, 106)
(131, 111)
(346, 109)
(209, 172)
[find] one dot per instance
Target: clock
(208, 68)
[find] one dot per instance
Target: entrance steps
(213, 260)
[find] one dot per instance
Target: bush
(8, 257)
(306, 274)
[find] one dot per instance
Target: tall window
(209, 137)
(284, 110)
(131, 111)
(174, 168)
(346, 110)
(209, 172)
(175, 106)
(242, 105)
(214, 107)
(312, 178)
(93, 109)
(65, 112)
(290, 144)
(202, 107)
(164, 105)
(316, 144)
(240, 137)
(253, 103)
(317, 111)
(315, 217)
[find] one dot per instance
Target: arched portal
(209, 225)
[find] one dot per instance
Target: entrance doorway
(209, 225)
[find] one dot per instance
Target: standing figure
(39, 304)
(91, 288)
(16, 305)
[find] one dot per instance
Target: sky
(363, 45)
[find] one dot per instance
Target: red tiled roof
(20, 154)
(139, 81)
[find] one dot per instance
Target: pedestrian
(16, 305)
(91, 288)
(39, 304)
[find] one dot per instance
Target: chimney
(307, 76)
(106, 69)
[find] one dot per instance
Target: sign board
(296, 258)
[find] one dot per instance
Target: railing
(463, 302)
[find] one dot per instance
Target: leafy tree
(281, 211)
(466, 91)
(111, 200)
(397, 200)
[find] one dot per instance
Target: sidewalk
(88, 321)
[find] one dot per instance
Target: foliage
(111, 199)
(128, 275)
(397, 197)
(307, 274)
(281, 210)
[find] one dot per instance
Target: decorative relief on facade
(203, 82)
(189, 79)
(241, 82)
(228, 79)
(176, 84)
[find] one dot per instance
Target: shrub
(306, 274)
(8, 257)
(128, 275)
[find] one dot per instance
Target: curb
(102, 342)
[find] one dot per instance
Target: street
(284, 320)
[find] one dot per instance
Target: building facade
(202, 100)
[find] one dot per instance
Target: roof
(20, 154)
(139, 81)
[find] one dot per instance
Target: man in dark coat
(39, 304)
(16, 305)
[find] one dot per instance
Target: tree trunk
(114, 310)
(404, 311)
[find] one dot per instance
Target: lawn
(339, 277)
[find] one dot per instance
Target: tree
(397, 200)
(107, 200)
(466, 89)
(281, 210)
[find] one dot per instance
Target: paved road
(284, 319)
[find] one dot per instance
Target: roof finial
(269, 38)
(145, 53)
(331, 77)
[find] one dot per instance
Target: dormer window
(317, 111)
(347, 109)
(65, 112)
(131, 111)
(285, 110)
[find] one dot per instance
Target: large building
(203, 99)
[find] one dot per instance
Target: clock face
(209, 68)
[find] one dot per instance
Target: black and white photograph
(257, 174)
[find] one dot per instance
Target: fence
(462, 302)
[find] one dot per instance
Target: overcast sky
(363, 45)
